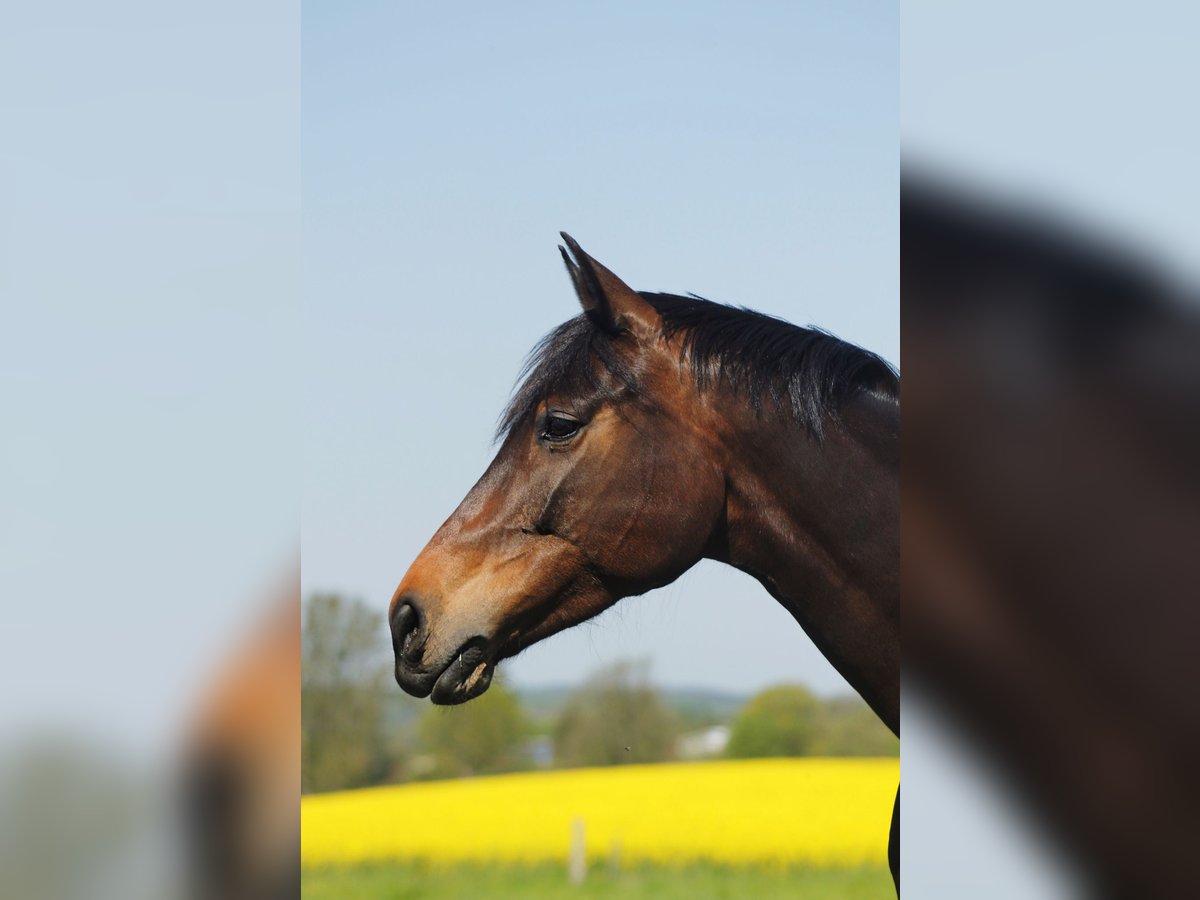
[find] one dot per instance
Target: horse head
(608, 482)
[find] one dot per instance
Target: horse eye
(559, 428)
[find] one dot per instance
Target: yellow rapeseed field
(817, 812)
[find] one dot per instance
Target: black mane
(806, 370)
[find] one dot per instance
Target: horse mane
(808, 371)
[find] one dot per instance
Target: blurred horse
(240, 780)
(652, 431)
(1051, 522)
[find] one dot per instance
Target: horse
(240, 774)
(651, 431)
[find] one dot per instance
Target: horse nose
(408, 629)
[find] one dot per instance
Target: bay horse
(652, 431)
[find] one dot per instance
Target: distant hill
(695, 706)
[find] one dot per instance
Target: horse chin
(467, 676)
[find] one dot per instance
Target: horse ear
(606, 299)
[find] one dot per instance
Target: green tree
(615, 717)
(781, 721)
(850, 728)
(481, 736)
(345, 665)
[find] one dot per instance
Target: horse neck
(817, 523)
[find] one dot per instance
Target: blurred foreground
(211, 815)
(149, 470)
(1051, 521)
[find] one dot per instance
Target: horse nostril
(406, 624)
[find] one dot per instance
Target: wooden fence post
(614, 856)
(577, 862)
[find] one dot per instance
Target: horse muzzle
(447, 679)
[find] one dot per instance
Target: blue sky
(751, 159)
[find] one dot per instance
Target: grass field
(412, 881)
